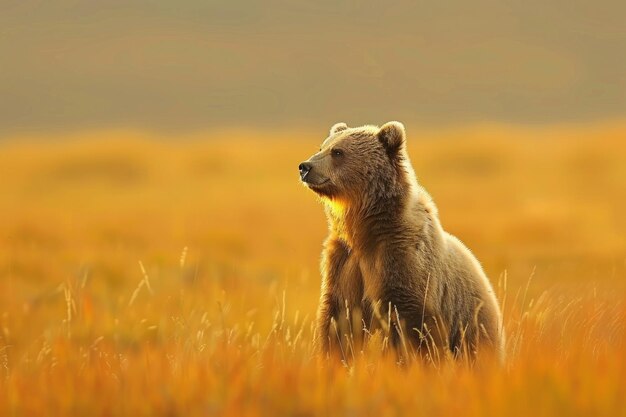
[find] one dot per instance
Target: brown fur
(386, 248)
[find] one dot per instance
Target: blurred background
(194, 65)
(153, 228)
(133, 129)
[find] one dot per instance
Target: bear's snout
(304, 169)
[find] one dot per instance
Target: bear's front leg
(341, 296)
(407, 303)
(414, 330)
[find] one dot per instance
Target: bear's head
(356, 165)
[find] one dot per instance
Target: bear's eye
(336, 153)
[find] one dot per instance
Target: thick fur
(386, 249)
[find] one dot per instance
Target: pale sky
(187, 65)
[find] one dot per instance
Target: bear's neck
(364, 226)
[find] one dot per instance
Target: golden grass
(147, 276)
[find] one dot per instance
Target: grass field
(141, 275)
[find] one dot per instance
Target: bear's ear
(392, 136)
(338, 127)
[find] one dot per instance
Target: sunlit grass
(144, 276)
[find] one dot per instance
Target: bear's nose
(304, 168)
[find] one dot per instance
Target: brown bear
(388, 259)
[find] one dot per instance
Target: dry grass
(140, 276)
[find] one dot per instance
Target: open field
(146, 276)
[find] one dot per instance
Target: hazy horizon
(192, 65)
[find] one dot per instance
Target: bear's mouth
(316, 185)
(324, 188)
